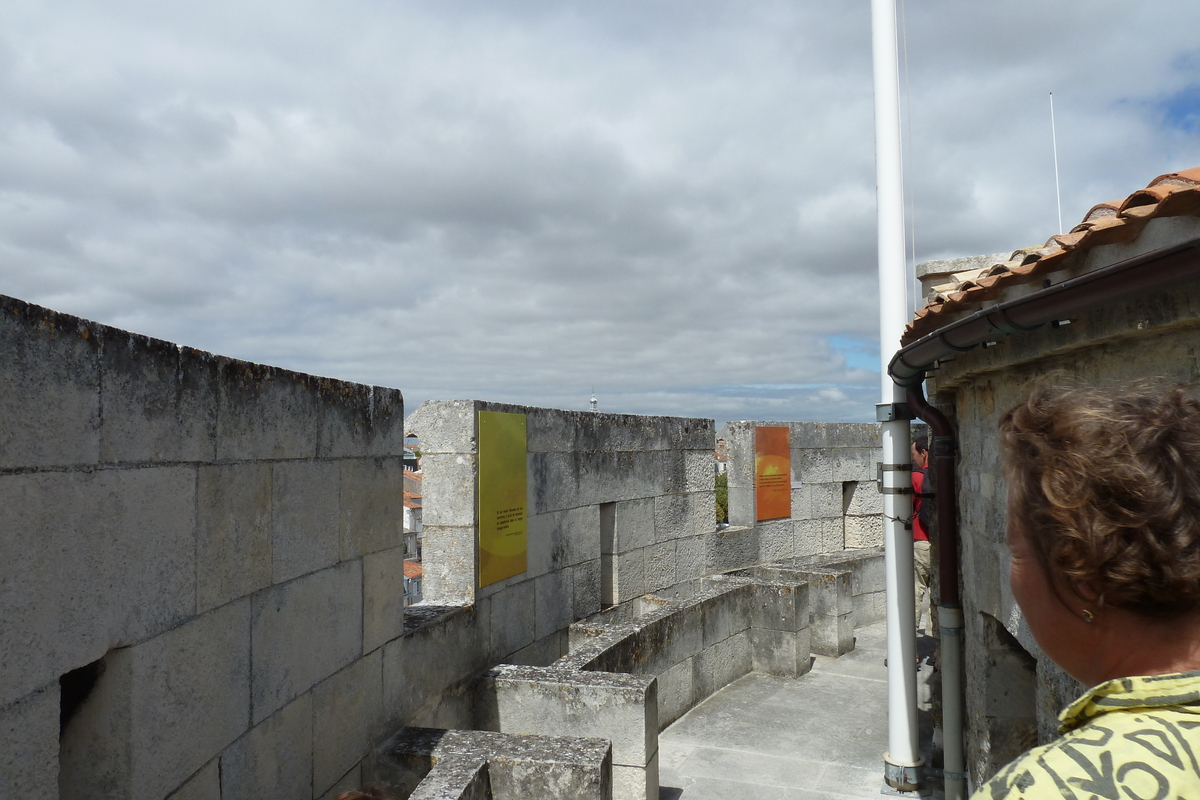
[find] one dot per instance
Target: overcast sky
(669, 200)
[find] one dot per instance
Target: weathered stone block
(91, 561)
(275, 757)
(558, 539)
(741, 506)
(51, 378)
(304, 504)
(634, 526)
(815, 466)
(833, 537)
(585, 585)
(351, 780)
(868, 574)
(702, 512)
(372, 506)
(782, 653)
(347, 718)
(556, 483)
(676, 692)
(383, 597)
(553, 598)
(635, 783)
(808, 435)
(776, 540)
(452, 765)
(629, 577)
(444, 426)
(512, 625)
(731, 548)
(449, 489)
(854, 464)
(832, 635)
(449, 564)
(286, 664)
(721, 664)
(233, 532)
(779, 606)
(689, 558)
(864, 531)
(552, 702)
(581, 534)
(869, 608)
(162, 709)
(699, 470)
(158, 402)
(826, 500)
(726, 614)
(29, 746)
(830, 593)
(358, 420)
(204, 785)
(265, 412)
(660, 566)
(852, 434)
(456, 643)
(864, 498)
(664, 642)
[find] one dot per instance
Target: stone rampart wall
(207, 553)
(618, 506)
(835, 502)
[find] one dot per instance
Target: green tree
(723, 497)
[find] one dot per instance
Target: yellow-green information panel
(502, 496)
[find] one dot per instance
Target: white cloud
(672, 201)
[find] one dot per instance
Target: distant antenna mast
(1054, 141)
(594, 400)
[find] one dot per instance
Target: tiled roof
(413, 569)
(416, 476)
(1172, 195)
(412, 500)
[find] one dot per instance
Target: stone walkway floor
(766, 738)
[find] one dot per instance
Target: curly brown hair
(1107, 491)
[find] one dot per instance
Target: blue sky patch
(1181, 110)
(859, 354)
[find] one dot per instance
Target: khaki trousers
(921, 573)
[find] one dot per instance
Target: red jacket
(918, 485)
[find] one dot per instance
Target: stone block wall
(835, 502)
(202, 566)
(618, 506)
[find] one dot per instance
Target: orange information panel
(502, 495)
(772, 474)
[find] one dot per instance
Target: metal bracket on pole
(881, 468)
(892, 412)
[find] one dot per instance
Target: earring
(1087, 615)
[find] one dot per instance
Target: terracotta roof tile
(1173, 194)
(413, 569)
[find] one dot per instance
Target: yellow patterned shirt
(1127, 738)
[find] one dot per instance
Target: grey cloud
(673, 201)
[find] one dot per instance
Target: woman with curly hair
(1104, 530)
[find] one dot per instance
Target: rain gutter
(1154, 271)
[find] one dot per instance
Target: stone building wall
(835, 502)
(618, 506)
(202, 558)
(1013, 692)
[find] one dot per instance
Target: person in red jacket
(920, 460)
